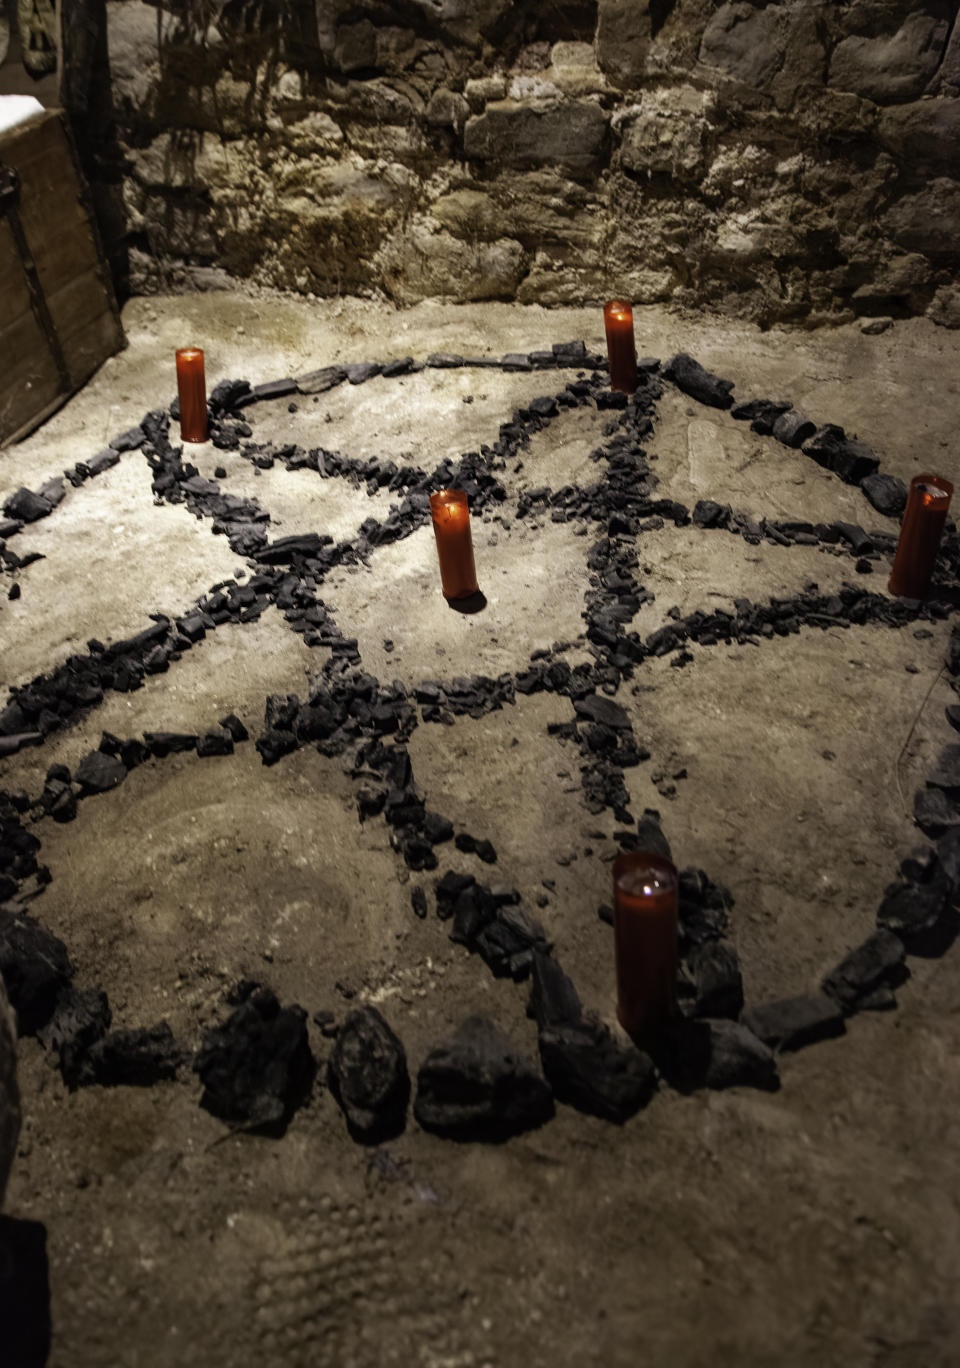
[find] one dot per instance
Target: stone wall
(794, 161)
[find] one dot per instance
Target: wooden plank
(29, 380)
(14, 294)
(75, 301)
(90, 346)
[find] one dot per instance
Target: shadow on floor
(24, 1294)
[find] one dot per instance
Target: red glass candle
(451, 526)
(920, 533)
(192, 389)
(645, 940)
(621, 347)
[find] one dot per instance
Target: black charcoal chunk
(589, 1070)
(368, 1076)
(35, 968)
(791, 1023)
(99, 772)
(886, 493)
(946, 772)
(26, 506)
(508, 941)
(717, 984)
(9, 527)
(402, 366)
(569, 353)
(849, 459)
(232, 724)
(226, 394)
(360, 371)
(878, 961)
(82, 1017)
(913, 911)
(436, 829)
(418, 901)
(130, 440)
(554, 1000)
(702, 907)
(714, 1054)
(257, 1068)
(854, 536)
(286, 549)
(444, 360)
(474, 908)
(99, 463)
(604, 710)
(516, 361)
(708, 513)
(169, 743)
(477, 1087)
(273, 744)
(215, 743)
(275, 389)
(650, 837)
(319, 381)
(761, 412)
(793, 428)
(689, 376)
(545, 406)
(933, 811)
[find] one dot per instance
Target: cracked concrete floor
(816, 1226)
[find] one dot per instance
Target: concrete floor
(816, 1226)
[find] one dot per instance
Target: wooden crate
(58, 316)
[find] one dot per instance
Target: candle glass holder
(621, 345)
(192, 392)
(451, 527)
(645, 889)
(920, 533)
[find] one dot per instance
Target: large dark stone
(790, 1023)
(589, 1070)
(476, 1087)
(256, 1068)
(368, 1076)
(35, 967)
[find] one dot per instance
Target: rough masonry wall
(795, 161)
